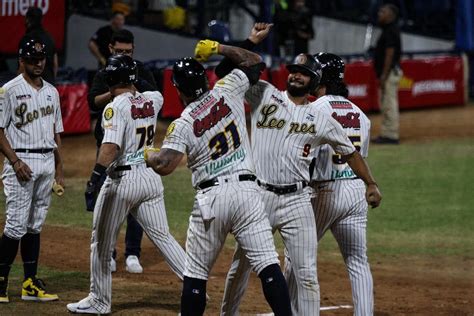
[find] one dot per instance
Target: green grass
(427, 207)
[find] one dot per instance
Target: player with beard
(286, 129)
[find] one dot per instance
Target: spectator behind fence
(121, 43)
(35, 30)
(387, 68)
(99, 42)
(294, 28)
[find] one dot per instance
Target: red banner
(362, 85)
(431, 82)
(74, 108)
(12, 22)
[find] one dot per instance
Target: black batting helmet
(307, 63)
(333, 68)
(120, 69)
(32, 48)
(190, 77)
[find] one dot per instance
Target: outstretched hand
(259, 32)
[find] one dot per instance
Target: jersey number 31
(219, 143)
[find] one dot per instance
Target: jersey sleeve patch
(109, 113)
(170, 129)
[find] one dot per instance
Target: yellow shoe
(4, 290)
(34, 290)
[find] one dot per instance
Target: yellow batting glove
(58, 189)
(149, 150)
(205, 49)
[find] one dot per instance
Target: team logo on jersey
(267, 121)
(170, 129)
(49, 98)
(109, 113)
(349, 120)
(146, 111)
(22, 97)
(219, 111)
(340, 104)
(26, 117)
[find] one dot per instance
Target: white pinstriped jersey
(329, 165)
(130, 121)
(30, 117)
(212, 131)
(285, 157)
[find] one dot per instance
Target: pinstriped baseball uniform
(284, 137)
(339, 202)
(212, 132)
(30, 118)
(129, 121)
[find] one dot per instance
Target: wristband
(248, 44)
(97, 173)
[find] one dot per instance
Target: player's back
(329, 165)
(130, 122)
(214, 130)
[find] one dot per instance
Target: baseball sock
(193, 298)
(8, 250)
(30, 247)
(275, 290)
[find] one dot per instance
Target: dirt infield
(406, 285)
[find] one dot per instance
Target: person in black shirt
(99, 42)
(388, 71)
(35, 30)
(98, 97)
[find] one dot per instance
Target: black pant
(133, 238)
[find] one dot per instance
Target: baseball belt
(34, 150)
(215, 181)
(283, 189)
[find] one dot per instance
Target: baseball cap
(32, 48)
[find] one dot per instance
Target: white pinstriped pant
(238, 209)
(292, 215)
(341, 207)
(140, 192)
(27, 202)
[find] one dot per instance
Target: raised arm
(239, 56)
(258, 33)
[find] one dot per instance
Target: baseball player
(212, 132)
(129, 124)
(286, 129)
(339, 203)
(30, 123)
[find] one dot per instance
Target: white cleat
(113, 265)
(84, 306)
(132, 265)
